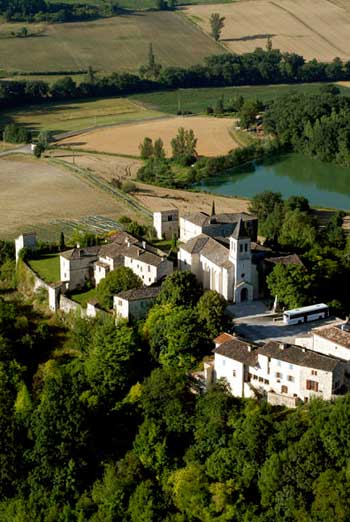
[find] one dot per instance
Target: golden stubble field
(34, 192)
(312, 28)
(213, 136)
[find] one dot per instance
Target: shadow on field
(248, 38)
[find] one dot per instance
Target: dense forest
(101, 423)
(42, 10)
(257, 68)
(316, 125)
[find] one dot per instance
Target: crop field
(312, 28)
(197, 100)
(112, 44)
(33, 193)
(77, 115)
(213, 136)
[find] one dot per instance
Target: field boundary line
(300, 20)
(96, 181)
(70, 134)
(191, 22)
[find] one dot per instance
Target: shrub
(128, 186)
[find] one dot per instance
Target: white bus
(305, 314)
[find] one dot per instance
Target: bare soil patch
(312, 28)
(213, 136)
(34, 192)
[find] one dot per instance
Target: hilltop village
(294, 361)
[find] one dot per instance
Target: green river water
(325, 185)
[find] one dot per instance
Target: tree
(248, 113)
(152, 70)
(111, 364)
(298, 231)
(210, 309)
(122, 278)
(180, 288)
(263, 204)
(291, 284)
(62, 242)
(158, 149)
(216, 25)
(184, 146)
(146, 148)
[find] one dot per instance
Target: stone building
(166, 223)
(134, 304)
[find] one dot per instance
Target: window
(313, 372)
(233, 373)
(261, 379)
(140, 268)
(242, 275)
(149, 279)
(312, 385)
(278, 375)
(284, 389)
(291, 367)
(120, 302)
(290, 378)
(170, 218)
(266, 381)
(149, 268)
(246, 247)
(241, 248)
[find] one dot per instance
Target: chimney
(127, 243)
(138, 252)
(249, 348)
(282, 346)
(144, 245)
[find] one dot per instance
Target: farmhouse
(134, 304)
(333, 340)
(227, 270)
(80, 265)
(284, 373)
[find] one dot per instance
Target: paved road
(259, 329)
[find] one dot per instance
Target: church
(223, 264)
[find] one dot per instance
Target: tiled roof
(240, 231)
(334, 334)
(196, 244)
(298, 356)
(210, 249)
(223, 337)
(77, 253)
(149, 292)
(238, 350)
(292, 259)
(202, 219)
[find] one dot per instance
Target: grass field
(197, 100)
(111, 44)
(77, 115)
(33, 193)
(47, 267)
(312, 28)
(213, 136)
(83, 297)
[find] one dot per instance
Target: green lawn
(47, 267)
(197, 100)
(83, 297)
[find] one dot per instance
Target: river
(323, 184)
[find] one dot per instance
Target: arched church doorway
(244, 294)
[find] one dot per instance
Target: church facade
(223, 266)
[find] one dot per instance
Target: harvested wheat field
(33, 192)
(213, 136)
(158, 198)
(312, 28)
